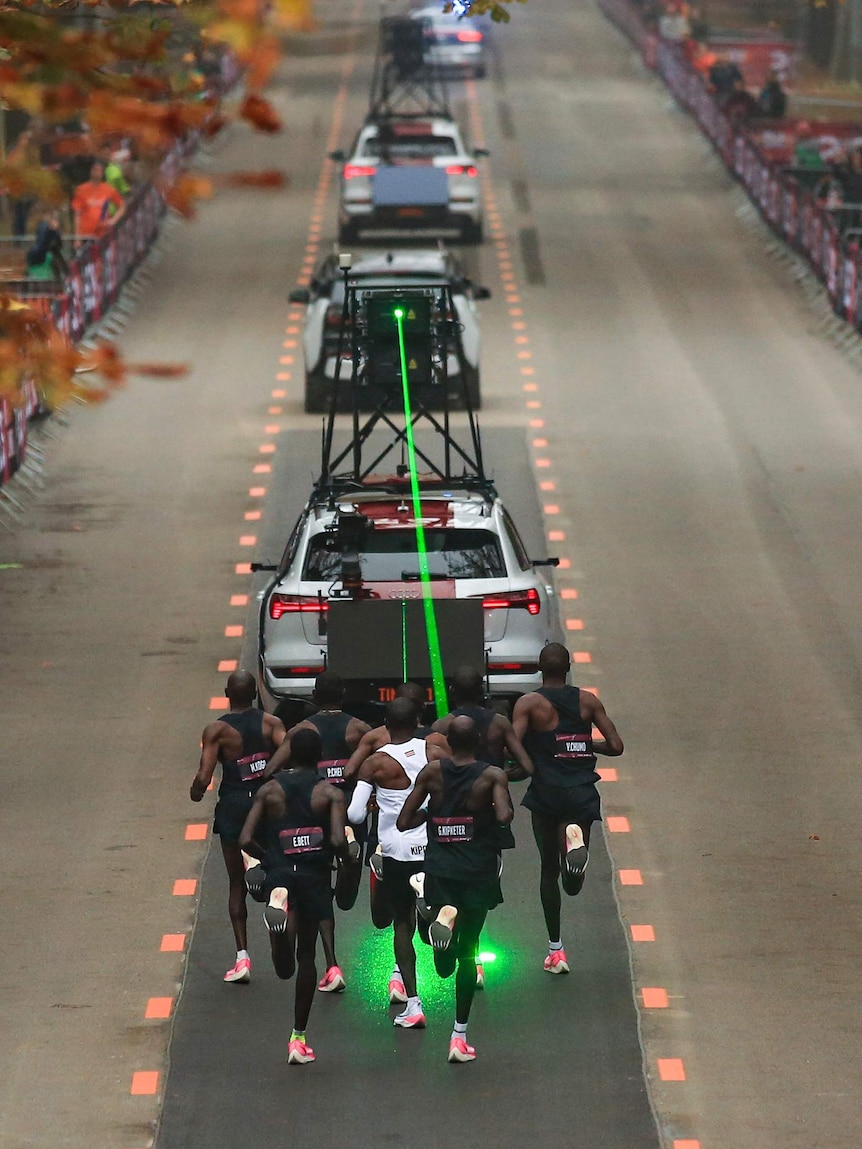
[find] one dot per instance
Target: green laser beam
(441, 702)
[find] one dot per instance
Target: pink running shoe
(298, 1053)
(556, 962)
(397, 992)
(332, 981)
(480, 976)
(241, 972)
(410, 1020)
(460, 1051)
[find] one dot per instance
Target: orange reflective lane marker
(574, 624)
(173, 943)
(219, 702)
(279, 394)
(618, 825)
(671, 1069)
(242, 569)
(686, 1144)
(233, 632)
(144, 1083)
(533, 404)
(607, 773)
(196, 831)
(540, 442)
(654, 998)
(266, 449)
(257, 492)
(566, 565)
(239, 600)
(551, 509)
(580, 655)
(272, 429)
(227, 665)
(275, 410)
(281, 377)
(158, 1008)
(252, 516)
(556, 536)
(543, 462)
(262, 469)
(248, 540)
(568, 592)
(643, 934)
(537, 422)
(631, 878)
(547, 485)
(185, 887)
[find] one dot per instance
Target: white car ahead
(455, 43)
(399, 269)
(408, 173)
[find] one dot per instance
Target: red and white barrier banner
(757, 58)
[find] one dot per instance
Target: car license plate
(412, 212)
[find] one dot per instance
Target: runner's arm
(281, 757)
(273, 728)
(249, 829)
(208, 763)
(411, 814)
(514, 747)
(501, 798)
(521, 717)
(362, 751)
(612, 746)
(357, 811)
(337, 823)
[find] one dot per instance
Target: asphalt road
(698, 451)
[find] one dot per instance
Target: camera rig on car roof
(405, 82)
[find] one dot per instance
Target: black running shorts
(475, 896)
(230, 814)
(395, 887)
(580, 804)
(309, 889)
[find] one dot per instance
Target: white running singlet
(409, 846)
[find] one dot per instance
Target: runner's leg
(236, 896)
(283, 948)
(546, 831)
(327, 939)
(381, 908)
(468, 929)
(306, 970)
(405, 954)
(347, 885)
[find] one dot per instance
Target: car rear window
(391, 556)
(411, 147)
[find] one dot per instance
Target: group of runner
(427, 808)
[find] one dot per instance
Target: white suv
(474, 551)
(398, 269)
(409, 173)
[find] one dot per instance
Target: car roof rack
(405, 82)
(373, 391)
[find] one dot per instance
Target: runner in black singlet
(340, 734)
(555, 724)
(469, 800)
(242, 741)
(296, 826)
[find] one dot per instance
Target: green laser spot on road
(440, 698)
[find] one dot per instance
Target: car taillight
(351, 171)
(460, 170)
(513, 600)
(281, 604)
(334, 315)
(469, 36)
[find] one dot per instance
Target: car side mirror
(300, 295)
(483, 152)
(552, 562)
(255, 567)
(337, 156)
(482, 293)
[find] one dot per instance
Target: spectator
(723, 75)
(45, 259)
(24, 154)
(806, 153)
(114, 175)
(739, 104)
(772, 101)
(92, 202)
(673, 24)
(850, 175)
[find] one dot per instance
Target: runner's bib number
(573, 746)
(301, 840)
(251, 768)
(452, 829)
(332, 770)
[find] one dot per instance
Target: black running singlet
(243, 773)
(483, 716)
(462, 843)
(301, 836)
(332, 729)
(563, 756)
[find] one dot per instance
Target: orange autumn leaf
(185, 193)
(295, 15)
(159, 370)
(260, 113)
(270, 178)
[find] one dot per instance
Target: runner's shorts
(474, 896)
(395, 887)
(230, 814)
(309, 889)
(580, 804)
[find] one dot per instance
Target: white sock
(554, 946)
(396, 972)
(414, 1005)
(240, 954)
(460, 1030)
